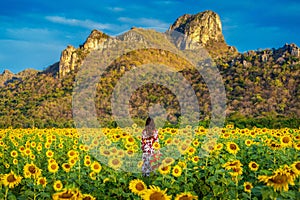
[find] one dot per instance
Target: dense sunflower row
(220, 163)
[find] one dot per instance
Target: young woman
(149, 137)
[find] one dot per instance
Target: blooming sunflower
(96, 167)
(248, 186)
(88, 197)
(11, 180)
(168, 161)
(14, 153)
(53, 167)
(57, 185)
(49, 154)
(280, 179)
(253, 166)
(286, 141)
(195, 159)
(191, 151)
(232, 164)
(296, 168)
(42, 181)
(156, 193)
(232, 147)
(248, 142)
(69, 193)
(156, 146)
(93, 175)
(176, 171)
(164, 169)
(31, 170)
(66, 167)
(115, 163)
(185, 196)
(137, 186)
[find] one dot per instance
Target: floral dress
(148, 152)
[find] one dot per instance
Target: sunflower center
(285, 140)
(32, 169)
(115, 162)
(11, 178)
(96, 167)
(233, 146)
(53, 166)
(139, 186)
(66, 195)
(279, 179)
(87, 198)
(184, 197)
(254, 165)
(157, 196)
(248, 187)
(42, 181)
(298, 165)
(176, 170)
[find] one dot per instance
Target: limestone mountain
(262, 87)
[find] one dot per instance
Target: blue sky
(33, 32)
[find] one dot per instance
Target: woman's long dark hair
(150, 126)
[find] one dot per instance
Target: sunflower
(232, 147)
(88, 197)
(253, 166)
(164, 169)
(11, 180)
(93, 175)
(286, 141)
(15, 161)
(196, 143)
(115, 163)
(177, 170)
(66, 167)
(185, 196)
(236, 171)
(168, 141)
(182, 164)
(156, 193)
(296, 168)
(195, 159)
(49, 154)
(53, 167)
(137, 186)
(218, 147)
(280, 179)
(248, 186)
(42, 181)
(57, 185)
(31, 170)
(96, 167)
(168, 161)
(14, 153)
(69, 193)
(248, 142)
(72, 161)
(72, 153)
(297, 146)
(87, 162)
(191, 151)
(156, 146)
(232, 164)
(27, 151)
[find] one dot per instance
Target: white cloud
(147, 22)
(80, 23)
(116, 9)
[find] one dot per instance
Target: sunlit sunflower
(232, 164)
(49, 154)
(115, 163)
(72, 161)
(42, 181)
(69, 193)
(96, 167)
(232, 147)
(185, 196)
(236, 171)
(93, 175)
(286, 141)
(253, 166)
(195, 159)
(87, 162)
(27, 151)
(248, 186)
(31, 170)
(176, 171)
(11, 180)
(191, 151)
(219, 147)
(66, 167)
(164, 169)
(280, 180)
(156, 193)
(137, 186)
(156, 146)
(168, 141)
(88, 197)
(14, 153)
(182, 164)
(15, 161)
(57, 185)
(53, 167)
(297, 146)
(248, 142)
(168, 161)
(296, 168)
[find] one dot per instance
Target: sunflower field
(255, 163)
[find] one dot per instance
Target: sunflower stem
(6, 192)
